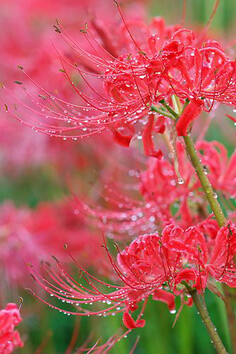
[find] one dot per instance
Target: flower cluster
(140, 74)
(152, 265)
(137, 80)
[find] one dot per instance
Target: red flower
(9, 338)
(124, 76)
(204, 259)
(131, 78)
(222, 262)
(222, 170)
(162, 190)
(153, 265)
(190, 113)
(206, 76)
(139, 268)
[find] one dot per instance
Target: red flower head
(204, 76)
(125, 77)
(158, 191)
(222, 261)
(139, 268)
(9, 338)
(154, 265)
(204, 259)
(130, 70)
(222, 170)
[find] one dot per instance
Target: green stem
(206, 185)
(200, 305)
(161, 111)
(215, 206)
(174, 114)
(221, 220)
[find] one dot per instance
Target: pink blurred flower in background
(33, 235)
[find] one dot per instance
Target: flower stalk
(206, 185)
(220, 218)
(201, 307)
(196, 162)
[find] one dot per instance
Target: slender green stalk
(161, 111)
(206, 185)
(220, 218)
(200, 305)
(174, 114)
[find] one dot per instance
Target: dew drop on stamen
(180, 180)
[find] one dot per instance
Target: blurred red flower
(9, 338)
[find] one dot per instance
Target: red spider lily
(152, 265)
(205, 76)
(209, 227)
(129, 213)
(124, 216)
(166, 189)
(150, 63)
(222, 261)
(222, 171)
(19, 146)
(128, 80)
(167, 183)
(210, 260)
(123, 299)
(9, 338)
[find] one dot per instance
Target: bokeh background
(35, 170)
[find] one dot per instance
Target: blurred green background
(51, 331)
(198, 12)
